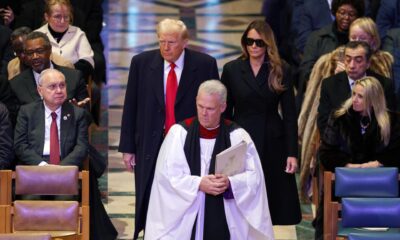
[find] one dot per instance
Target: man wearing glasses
(37, 50)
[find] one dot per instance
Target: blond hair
(374, 102)
(368, 25)
(51, 3)
(168, 25)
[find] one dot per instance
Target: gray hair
(36, 35)
(46, 72)
(213, 87)
(172, 26)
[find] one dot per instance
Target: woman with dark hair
(258, 82)
(329, 37)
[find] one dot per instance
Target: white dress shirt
(47, 123)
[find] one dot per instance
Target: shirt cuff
(43, 163)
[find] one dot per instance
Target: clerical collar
(209, 133)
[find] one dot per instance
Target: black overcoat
(143, 118)
(255, 109)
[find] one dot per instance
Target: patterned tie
(54, 143)
(172, 88)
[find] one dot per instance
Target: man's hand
(371, 164)
(214, 184)
(80, 103)
(291, 165)
(129, 161)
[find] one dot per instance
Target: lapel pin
(65, 117)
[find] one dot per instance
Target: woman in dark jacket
(329, 37)
(362, 133)
(257, 84)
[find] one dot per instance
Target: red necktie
(54, 143)
(172, 88)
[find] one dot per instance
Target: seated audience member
(15, 67)
(391, 44)
(67, 40)
(362, 132)
(37, 49)
(6, 141)
(52, 131)
(337, 88)
(5, 49)
(362, 29)
(207, 205)
(329, 37)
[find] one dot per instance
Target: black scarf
(215, 225)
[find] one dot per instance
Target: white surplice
(176, 200)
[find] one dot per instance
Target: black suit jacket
(30, 131)
(6, 53)
(336, 89)
(143, 118)
(6, 142)
(24, 86)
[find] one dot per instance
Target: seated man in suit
(6, 143)
(337, 88)
(37, 49)
(52, 131)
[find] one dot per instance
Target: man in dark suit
(37, 49)
(147, 112)
(6, 142)
(337, 88)
(33, 132)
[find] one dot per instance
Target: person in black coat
(337, 88)
(6, 53)
(6, 139)
(145, 113)
(329, 37)
(257, 83)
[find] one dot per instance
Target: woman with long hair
(362, 133)
(258, 83)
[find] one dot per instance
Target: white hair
(172, 26)
(48, 71)
(213, 87)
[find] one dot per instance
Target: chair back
(371, 212)
(47, 180)
(366, 182)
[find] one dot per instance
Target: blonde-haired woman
(67, 40)
(362, 133)
(257, 83)
(361, 29)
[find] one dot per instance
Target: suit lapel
(157, 78)
(30, 84)
(41, 126)
(188, 76)
(66, 121)
(249, 78)
(343, 86)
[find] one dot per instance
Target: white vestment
(176, 200)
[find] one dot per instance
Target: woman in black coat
(362, 133)
(257, 84)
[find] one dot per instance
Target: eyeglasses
(259, 42)
(344, 13)
(38, 51)
(60, 17)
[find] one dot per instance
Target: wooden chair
(62, 219)
(358, 194)
(18, 236)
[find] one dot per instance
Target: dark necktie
(172, 88)
(54, 143)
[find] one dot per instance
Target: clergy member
(188, 200)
